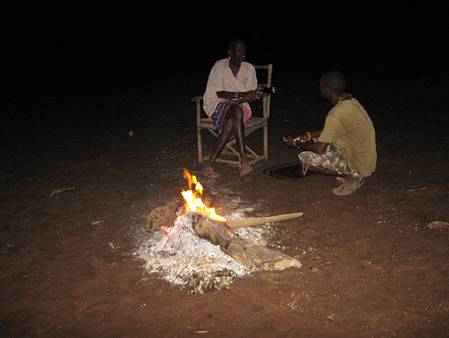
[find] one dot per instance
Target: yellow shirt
(221, 78)
(349, 127)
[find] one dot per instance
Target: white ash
(257, 235)
(187, 260)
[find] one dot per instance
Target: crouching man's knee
(306, 157)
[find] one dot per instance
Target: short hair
(335, 80)
(234, 42)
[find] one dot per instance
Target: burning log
(252, 256)
(251, 221)
(163, 216)
(247, 253)
(218, 233)
(218, 230)
(166, 214)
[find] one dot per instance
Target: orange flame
(193, 200)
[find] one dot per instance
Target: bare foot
(245, 169)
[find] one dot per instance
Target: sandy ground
(371, 266)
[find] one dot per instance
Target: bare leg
(234, 123)
(239, 130)
(222, 139)
(240, 133)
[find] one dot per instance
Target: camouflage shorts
(332, 160)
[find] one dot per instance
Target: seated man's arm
(227, 95)
(240, 97)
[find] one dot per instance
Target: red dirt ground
(371, 267)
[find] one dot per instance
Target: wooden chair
(255, 123)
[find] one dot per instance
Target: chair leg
(265, 142)
(199, 144)
(230, 150)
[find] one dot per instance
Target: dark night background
(124, 65)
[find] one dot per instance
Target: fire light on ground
(202, 249)
(183, 259)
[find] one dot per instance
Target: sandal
(245, 169)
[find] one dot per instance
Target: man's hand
(248, 96)
(299, 142)
(260, 94)
(253, 95)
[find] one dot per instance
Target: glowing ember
(168, 232)
(193, 200)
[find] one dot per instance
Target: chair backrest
(265, 81)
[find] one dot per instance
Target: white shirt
(221, 78)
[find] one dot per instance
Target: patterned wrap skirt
(220, 114)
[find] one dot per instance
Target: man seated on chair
(346, 147)
(231, 86)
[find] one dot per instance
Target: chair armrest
(197, 100)
(266, 103)
(265, 107)
(264, 110)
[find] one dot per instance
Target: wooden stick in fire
(251, 221)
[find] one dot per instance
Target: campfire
(193, 245)
(193, 199)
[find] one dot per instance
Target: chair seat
(254, 121)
